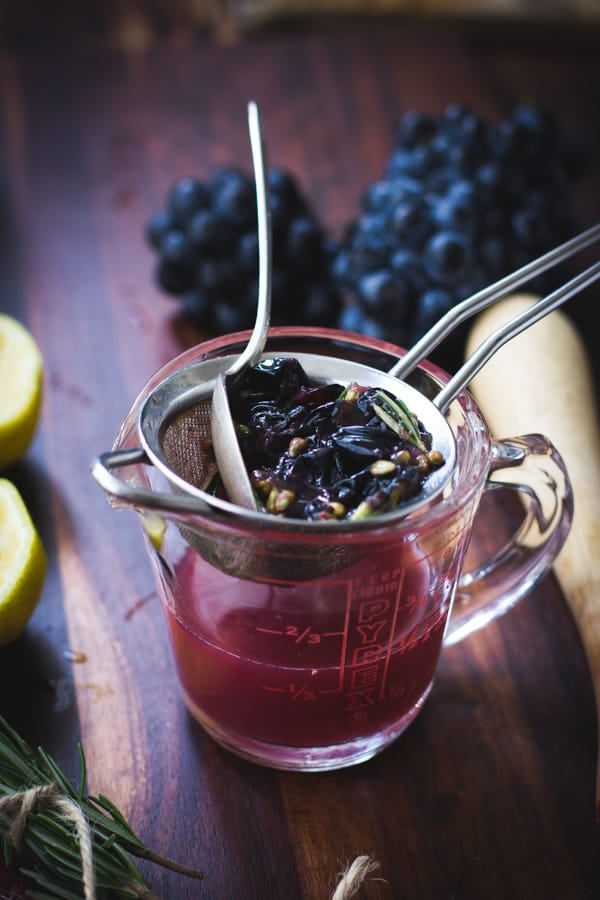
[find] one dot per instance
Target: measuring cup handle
(532, 466)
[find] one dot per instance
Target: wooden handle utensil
(520, 389)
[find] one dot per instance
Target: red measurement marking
(302, 635)
(305, 635)
(295, 692)
(313, 637)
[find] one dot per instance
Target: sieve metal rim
(193, 383)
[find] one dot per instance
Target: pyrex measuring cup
(302, 666)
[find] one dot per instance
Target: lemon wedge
(23, 564)
(21, 369)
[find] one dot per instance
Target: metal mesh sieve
(175, 430)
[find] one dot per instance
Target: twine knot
(21, 804)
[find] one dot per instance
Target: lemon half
(23, 564)
(21, 369)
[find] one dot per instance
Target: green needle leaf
(397, 416)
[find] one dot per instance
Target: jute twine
(22, 803)
(354, 877)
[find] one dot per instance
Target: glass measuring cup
(301, 665)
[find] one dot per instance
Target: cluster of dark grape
(207, 249)
(462, 201)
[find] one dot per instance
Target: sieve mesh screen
(187, 445)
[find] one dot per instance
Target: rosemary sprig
(397, 416)
(50, 853)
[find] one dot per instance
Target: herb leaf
(397, 416)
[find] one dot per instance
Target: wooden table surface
(490, 793)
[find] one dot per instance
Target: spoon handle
(255, 346)
(228, 454)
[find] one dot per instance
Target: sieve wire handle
(506, 332)
(488, 295)
(123, 494)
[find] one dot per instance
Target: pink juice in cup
(313, 665)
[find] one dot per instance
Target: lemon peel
(21, 376)
(155, 527)
(23, 564)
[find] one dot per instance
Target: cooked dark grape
(322, 451)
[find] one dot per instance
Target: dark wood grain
(491, 792)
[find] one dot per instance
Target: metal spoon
(230, 462)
